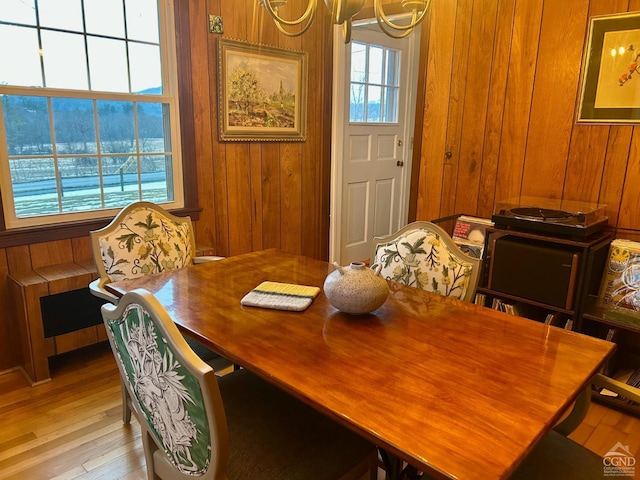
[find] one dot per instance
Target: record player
(552, 216)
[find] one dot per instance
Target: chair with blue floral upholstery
(423, 255)
(145, 239)
(235, 427)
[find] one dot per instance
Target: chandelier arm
(296, 33)
(415, 19)
(346, 31)
(343, 10)
(335, 11)
(308, 13)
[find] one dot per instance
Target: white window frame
(169, 96)
(384, 86)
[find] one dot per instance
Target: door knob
(400, 163)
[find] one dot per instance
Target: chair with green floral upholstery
(235, 427)
(423, 255)
(144, 239)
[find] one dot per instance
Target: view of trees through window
(129, 138)
(375, 83)
(88, 121)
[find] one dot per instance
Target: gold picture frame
(262, 92)
(610, 90)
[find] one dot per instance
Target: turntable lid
(570, 206)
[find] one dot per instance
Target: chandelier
(342, 13)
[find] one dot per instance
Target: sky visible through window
(63, 48)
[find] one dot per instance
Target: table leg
(392, 465)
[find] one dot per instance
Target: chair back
(423, 255)
(174, 394)
(142, 239)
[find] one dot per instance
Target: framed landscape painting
(262, 92)
(611, 76)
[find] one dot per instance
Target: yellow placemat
(281, 296)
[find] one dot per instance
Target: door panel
(384, 206)
(356, 213)
(360, 148)
(387, 147)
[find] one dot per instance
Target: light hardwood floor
(71, 427)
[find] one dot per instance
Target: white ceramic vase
(356, 289)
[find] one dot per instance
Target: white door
(373, 122)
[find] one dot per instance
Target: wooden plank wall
(502, 86)
(260, 194)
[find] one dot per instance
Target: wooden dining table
(456, 389)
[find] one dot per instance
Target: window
(375, 84)
(89, 117)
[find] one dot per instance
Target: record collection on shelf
(618, 305)
(469, 234)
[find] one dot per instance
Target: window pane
(63, 14)
(356, 107)
(390, 105)
(358, 62)
(142, 20)
(24, 52)
(107, 152)
(146, 71)
(120, 181)
(373, 104)
(108, 65)
(375, 99)
(155, 187)
(104, 17)
(115, 120)
(151, 127)
(74, 126)
(65, 63)
(80, 184)
(393, 68)
(18, 11)
(376, 64)
(26, 125)
(34, 186)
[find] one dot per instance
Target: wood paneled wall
(502, 87)
(260, 195)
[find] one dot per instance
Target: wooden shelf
(545, 306)
(590, 253)
(598, 311)
(626, 324)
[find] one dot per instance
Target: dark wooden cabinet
(540, 275)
